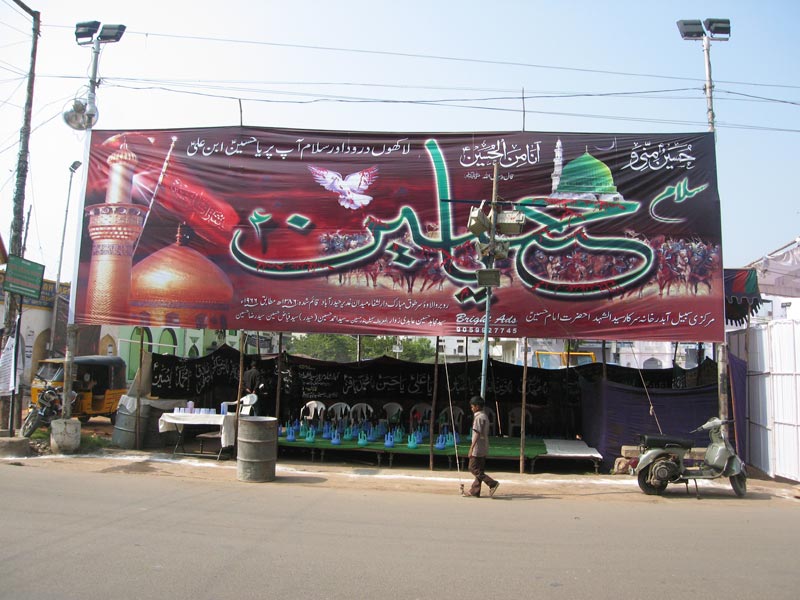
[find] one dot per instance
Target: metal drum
(257, 449)
(125, 430)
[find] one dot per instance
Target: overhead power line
(414, 55)
(448, 104)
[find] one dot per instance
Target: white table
(177, 422)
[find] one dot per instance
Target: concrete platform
(14, 447)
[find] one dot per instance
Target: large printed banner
(309, 231)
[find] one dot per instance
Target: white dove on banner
(350, 189)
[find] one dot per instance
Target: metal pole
(73, 167)
(137, 432)
(490, 261)
(279, 378)
(719, 349)
(433, 419)
(523, 418)
(709, 84)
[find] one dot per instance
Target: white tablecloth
(175, 421)
(129, 403)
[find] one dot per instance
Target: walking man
(479, 450)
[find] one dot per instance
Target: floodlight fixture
(718, 29)
(111, 33)
(84, 32)
(691, 29)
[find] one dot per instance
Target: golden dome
(179, 286)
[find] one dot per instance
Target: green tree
(342, 348)
(325, 346)
(417, 349)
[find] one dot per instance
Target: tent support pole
(523, 419)
(279, 379)
(137, 433)
(433, 405)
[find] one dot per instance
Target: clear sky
(415, 65)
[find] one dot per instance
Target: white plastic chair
(313, 409)
(420, 414)
(393, 412)
(246, 407)
(458, 417)
(246, 404)
(338, 411)
(515, 420)
(492, 420)
(360, 412)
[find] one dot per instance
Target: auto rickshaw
(99, 383)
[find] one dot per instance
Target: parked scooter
(662, 457)
(46, 408)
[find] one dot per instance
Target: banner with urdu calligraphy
(343, 232)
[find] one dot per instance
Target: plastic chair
(393, 412)
(246, 407)
(246, 404)
(360, 412)
(515, 420)
(458, 417)
(420, 414)
(338, 411)
(492, 419)
(313, 409)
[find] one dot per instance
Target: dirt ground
(360, 473)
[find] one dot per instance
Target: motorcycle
(662, 461)
(46, 408)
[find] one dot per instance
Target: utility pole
(15, 242)
(489, 265)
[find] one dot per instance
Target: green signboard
(23, 277)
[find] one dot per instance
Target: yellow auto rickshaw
(99, 383)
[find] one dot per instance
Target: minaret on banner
(114, 227)
(558, 163)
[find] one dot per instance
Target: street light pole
(709, 84)
(86, 33)
(718, 30)
(72, 168)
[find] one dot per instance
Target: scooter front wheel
(648, 488)
(739, 484)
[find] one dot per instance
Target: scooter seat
(665, 441)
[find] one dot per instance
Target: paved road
(139, 528)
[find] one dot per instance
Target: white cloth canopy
(779, 272)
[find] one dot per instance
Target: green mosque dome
(586, 175)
